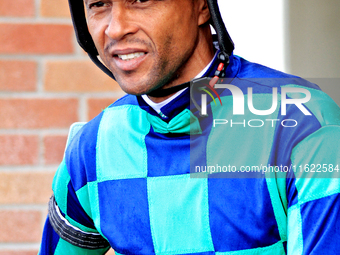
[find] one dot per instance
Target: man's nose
(121, 22)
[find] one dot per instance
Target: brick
(55, 8)
(77, 76)
(18, 150)
(18, 75)
(33, 252)
(54, 147)
(38, 113)
(17, 8)
(96, 105)
(36, 39)
(25, 187)
(20, 226)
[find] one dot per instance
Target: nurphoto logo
(238, 100)
(239, 105)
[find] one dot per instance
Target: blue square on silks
(241, 214)
(318, 215)
(179, 214)
(124, 215)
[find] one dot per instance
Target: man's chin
(137, 87)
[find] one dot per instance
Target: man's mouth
(131, 56)
(129, 59)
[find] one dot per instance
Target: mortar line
(36, 20)
(25, 207)
(59, 95)
(28, 169)
(19, 246)
(41, 151)
(83, 109)
(34, 132)
(37, 8)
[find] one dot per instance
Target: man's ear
(204, 13)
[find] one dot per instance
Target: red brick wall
(46, 84)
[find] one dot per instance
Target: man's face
(147, 43)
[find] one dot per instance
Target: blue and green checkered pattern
(133, 185)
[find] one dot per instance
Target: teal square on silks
(179, 214)
(253, 130)
(121, 150)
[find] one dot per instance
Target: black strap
(166, 92)
(80, 26)
(99, 64)
(76, 237)
(224, 40)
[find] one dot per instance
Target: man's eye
(96, 4)
(141, 1)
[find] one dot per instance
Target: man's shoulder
(258, 75)
(263, 80)
(291, 92)
(86, 134)
(125, 101)
(81, 152)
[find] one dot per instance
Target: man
(154, 174)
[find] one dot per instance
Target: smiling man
(165, 170)
(150, 44)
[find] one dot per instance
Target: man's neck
(158, 105)
(201, 57)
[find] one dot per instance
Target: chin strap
(225, 42)
(166, 92)
(99, 64)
